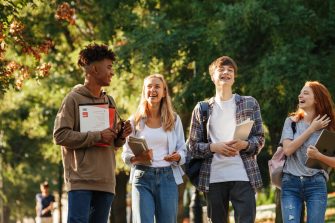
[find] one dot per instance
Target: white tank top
(157, 141)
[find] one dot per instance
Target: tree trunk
(119, 205)
(6, 213)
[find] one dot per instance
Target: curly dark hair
(95, 52)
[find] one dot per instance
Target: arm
(65, 133)
(49, 208)
(178, 157)
(37, 207)
(313, 152)
(126, 131)
(198, 148)
(290, 146)
(127, 154)
(255, 142)
(256, 138)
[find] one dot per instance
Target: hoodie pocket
(95, 164)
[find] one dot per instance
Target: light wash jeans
(89, 206)
(154, 195)
(297, 190)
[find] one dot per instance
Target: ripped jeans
(297, 190)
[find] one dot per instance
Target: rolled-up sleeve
(180, 144)
(256, 137)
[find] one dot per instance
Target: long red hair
(324, 103)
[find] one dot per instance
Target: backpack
(193, 165)
(277, 162)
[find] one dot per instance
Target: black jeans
(242, 197)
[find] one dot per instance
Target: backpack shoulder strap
(204, 117)
(294, 127)
(294, 124)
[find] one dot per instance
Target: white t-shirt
(222, 124)
(157, 141)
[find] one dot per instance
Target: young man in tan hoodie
(89, 167)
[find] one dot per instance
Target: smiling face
(223, 76)
(306, 98)
(154, 90)
(102, 72)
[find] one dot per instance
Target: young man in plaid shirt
(229, 171)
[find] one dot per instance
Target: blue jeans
(154, 195)
(89, 206)
(297, 190)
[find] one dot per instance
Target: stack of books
(138, 145)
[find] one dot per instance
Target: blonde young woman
(154, 187)
(299, 183)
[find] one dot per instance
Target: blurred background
(278, 45)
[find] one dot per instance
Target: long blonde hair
(166, 108)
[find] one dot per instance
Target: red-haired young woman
(300, 183)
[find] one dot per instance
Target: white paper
(93, 117)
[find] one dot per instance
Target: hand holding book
(141, 150)
(107, 136)
(124, 129)
(144, 158)
(324, 147)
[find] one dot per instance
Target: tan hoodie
(86, 166)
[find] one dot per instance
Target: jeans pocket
(319, 178)
(138, 174)
(285, 178)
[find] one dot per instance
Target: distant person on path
(89, 157)
(299, 183)
(44, 204)
(229, 171)
(155, 186)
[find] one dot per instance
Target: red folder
(111, 125)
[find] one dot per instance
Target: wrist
(133, 159)
(212, 147)
(311, 129)
(246, 145)
(318, 155)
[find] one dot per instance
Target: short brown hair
(220, 62)
(95, 52)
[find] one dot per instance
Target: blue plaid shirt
(246, 107)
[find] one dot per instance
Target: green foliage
(277, 46)
(28, 154)
(266, 196)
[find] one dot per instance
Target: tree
(277, 46)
